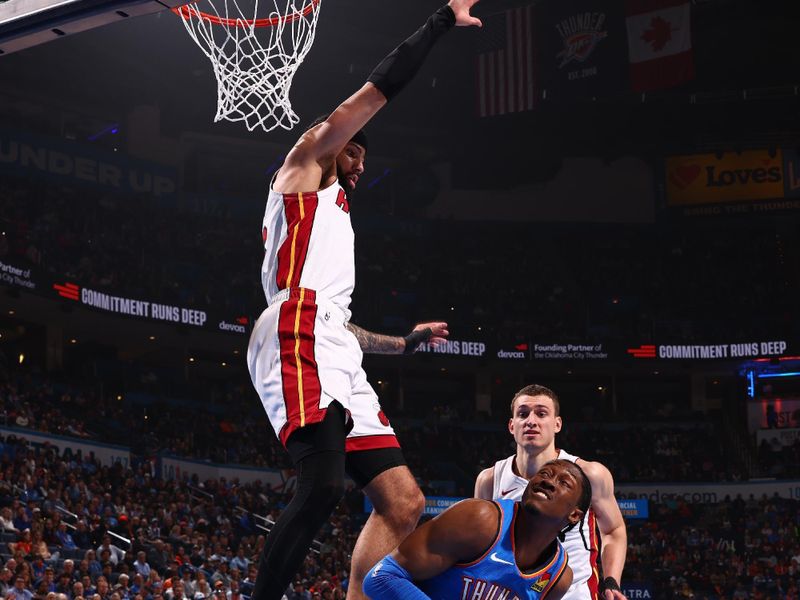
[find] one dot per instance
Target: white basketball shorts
(301, 358)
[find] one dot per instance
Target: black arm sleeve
(400, 66)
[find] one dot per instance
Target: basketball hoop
(254, 58)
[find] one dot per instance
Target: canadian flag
(659, 43)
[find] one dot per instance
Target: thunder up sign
(709, 179)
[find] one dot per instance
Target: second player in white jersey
(534, 423)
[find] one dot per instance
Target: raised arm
(612, 528)
(314, 153)
(462, 532)
(377, 343)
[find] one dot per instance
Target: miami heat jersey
(583, 562)
(495, 575)
(309, 243)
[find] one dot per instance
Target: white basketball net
(254, 59)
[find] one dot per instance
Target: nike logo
(507, 492)
(500, 560)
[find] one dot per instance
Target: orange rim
(187, 12)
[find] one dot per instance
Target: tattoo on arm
(375, 343)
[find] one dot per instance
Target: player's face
(350, 165)
(554, 492)
(534, 424)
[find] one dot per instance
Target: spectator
(116, 554)
(240, 561)
(6, 520)
(81, 535)
(298, 591)
(6, 579)
(141, 565)
(19, 591)
(64, 537)
(23, 544)
(95, 568)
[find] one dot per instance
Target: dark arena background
(583, 212)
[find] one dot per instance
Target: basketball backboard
(26, 23)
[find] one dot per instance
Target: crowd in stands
(778, 460)
(64, 517)
(73, 529)
(569, 282)
(738, 549)
(237, 436)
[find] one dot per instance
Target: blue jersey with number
(495, 575)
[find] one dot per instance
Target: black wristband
(609, 583)
(415, 338)
(399, 67)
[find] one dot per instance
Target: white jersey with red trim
(309, 243)
(507, 484)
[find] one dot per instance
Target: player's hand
(613, 595)
(461, 9)
(438, 337)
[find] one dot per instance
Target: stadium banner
(21, 277)
(637, 590)
(707, 493)
(637, 508)
(455, 348)
(734, 350)
(771, 413)
(35, 281)
(75, 163)
(581, 49)
(514, 352)
(107, 454)
(700, 179)
(571, 351)
(785, 437)
(434, 505)
(182, 469)
(791, 170)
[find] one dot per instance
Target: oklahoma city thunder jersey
(583, 562)
(308, 243)
(495, 575)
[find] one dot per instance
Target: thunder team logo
(541, 583)
(580, 34)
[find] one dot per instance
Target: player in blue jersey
(491, 550)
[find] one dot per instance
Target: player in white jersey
(304, 354)
(534, 423)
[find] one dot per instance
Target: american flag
(505, 63)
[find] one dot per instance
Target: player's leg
(376, 463)
(318, 454)
(296, 388)
(398, 504)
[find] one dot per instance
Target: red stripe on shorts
(299, 210)
(594, 579)
(370, 442)
(299, 375)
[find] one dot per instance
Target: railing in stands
(267, 523)
(119, 537)
(196, 494)
(71, 515)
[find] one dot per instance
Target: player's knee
(406, 509)
(416, 505)
(326, 494)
